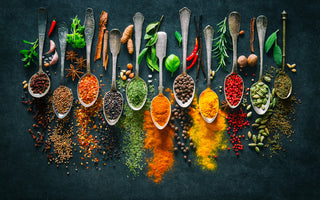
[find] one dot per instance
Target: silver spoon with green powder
(259, 91)
(136, 91)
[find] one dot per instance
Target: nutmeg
(252, 60)
(242, 61)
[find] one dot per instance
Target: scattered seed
(252, 144)
(248, 107)
(249, 134)
(293, 70)
(257, 149)
(249, 114)
(254, 138)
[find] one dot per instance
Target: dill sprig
(221, 45)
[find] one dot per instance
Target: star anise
(71, 55)
(81, 63)
(224, 105)
(73, 72)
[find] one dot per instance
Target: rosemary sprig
(221, 45)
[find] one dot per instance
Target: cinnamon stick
(102, 28)
(252, 33)
(105, 50)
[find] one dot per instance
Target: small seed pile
(39, 83)
(282, 84)
(183, 140)
(183, 87)
(113, 104)
(62, 99)
(259, 94)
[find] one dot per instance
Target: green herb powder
(137, 91)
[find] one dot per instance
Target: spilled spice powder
(85, 117)
(161, 144)
(208, 138)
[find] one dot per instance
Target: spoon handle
(208, 36)
(262, 23)
(284, 19)
(138, 19)
(185, 14)
(234, 27)
(88, 32)
(114, 43)
(42, 23)
(161, 47)
(62, 32)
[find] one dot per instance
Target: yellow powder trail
(209, 138)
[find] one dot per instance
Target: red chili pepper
(53, 24)
(194, 61)
(194, 52)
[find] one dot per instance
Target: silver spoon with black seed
(113, 100)
(62, 99)
(183, 85)
(34, 84)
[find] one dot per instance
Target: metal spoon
(161, 46)
(262, 23)
(62, 31)
(138, 21)
(284, 18)
(184, 20)
(234, 27)
(208, 34)
(89, 32)
(114, 42)
(42, 23)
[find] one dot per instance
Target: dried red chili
(195, 50)
(53, 24)
(233, 89)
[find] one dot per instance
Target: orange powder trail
(160, 142)
(208, 138)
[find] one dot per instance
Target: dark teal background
(291, 175)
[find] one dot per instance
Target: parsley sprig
(31, 54)
(76, 37)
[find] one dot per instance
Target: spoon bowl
(160, 127)
(62, 32)
(88, 32)
(138, 19)
(234, 26)
(42, 23)
(262, 23)
(208, 33)
(114, 97)
(184, 21)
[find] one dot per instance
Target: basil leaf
(153, 53)
(149, 61)
(151, 27)
(142, 54)
(270, 41)
(178, 37)
(153, 40)
(147, 36)
(277, 55)
(172, 63)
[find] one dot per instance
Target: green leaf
(277, 55)
(270, 41)
(25, 52)
(172, 63)
(35, 54)
(178, 37)
(151, 27)
(153, 40)
(153, 53)
(142, 54)
(149, 61)
(27, 42)
(147, 36)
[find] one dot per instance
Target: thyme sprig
(221, 45)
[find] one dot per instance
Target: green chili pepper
(172, 63)
(178, 37)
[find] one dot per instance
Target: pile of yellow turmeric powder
(209, 138)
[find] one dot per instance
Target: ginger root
(127, 34)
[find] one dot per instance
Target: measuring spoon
(161, 46)
(208, 34)
(42, 23)
(184, 20)
(138, 21)
(62, 32)
(234, 27)
(116, 96)
(282, 72)
(262, 23)
(88, 32)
